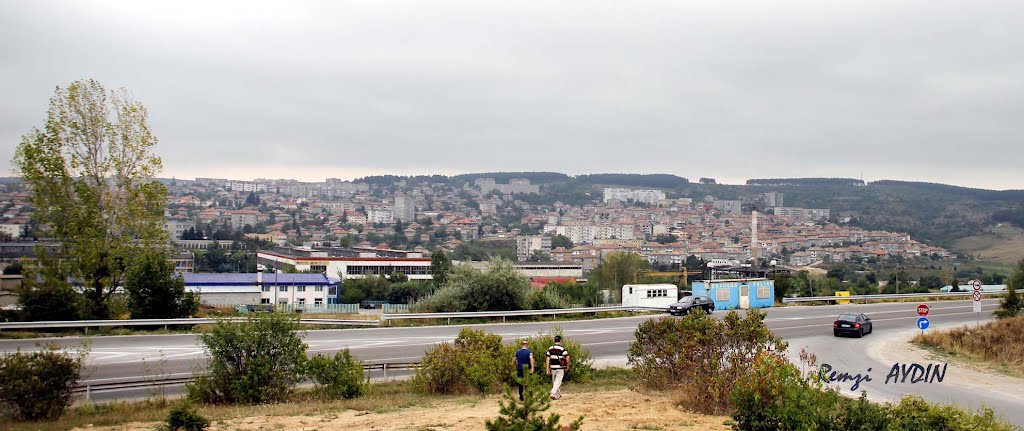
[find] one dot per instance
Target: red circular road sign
(922, 310)
(977, 295)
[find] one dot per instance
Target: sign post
(976, 295)
(922, 322)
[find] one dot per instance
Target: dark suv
(688, 303)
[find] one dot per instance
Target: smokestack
(755, 246)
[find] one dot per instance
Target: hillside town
(418, 218)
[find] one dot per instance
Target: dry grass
(998, 344)
(381, 398)
(1003, 244)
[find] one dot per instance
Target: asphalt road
(114, 357)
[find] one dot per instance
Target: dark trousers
(519, 372)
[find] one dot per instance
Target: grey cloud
(919, 90)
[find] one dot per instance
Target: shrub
(775, 396)
(338, 377)
(581, 365)
(545, 300)
(38, 385)
(1010, 305)
(475, 362)
(701, 355)
(498, 288)
(184, 417)
(528, 414)
(440, 372)
(255, 361)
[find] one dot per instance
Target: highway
(807, 327)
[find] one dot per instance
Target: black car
(688, 303)
(857, 324)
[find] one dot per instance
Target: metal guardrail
(166, 322)
(878, 297)
(504, 314)
(87, 387)
(384, 317)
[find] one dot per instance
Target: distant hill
(804, 182)
(503, 177)
(658, 181)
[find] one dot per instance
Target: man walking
(524, 357)
(557, 365)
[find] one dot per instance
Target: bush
(775, 396)
(528, 413)
(440, 372)
(338, 377)
(38, 385)
(476, 362)
(184, 417)
(255, 361)
(702, 356)
(498, 288)
(1011, 305)
(545, 300)
(581, 365)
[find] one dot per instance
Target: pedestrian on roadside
(524, 358)
(557, 366)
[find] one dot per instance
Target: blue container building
(744, 293)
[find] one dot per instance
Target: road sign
(976, 284)
(922, 310)
(977, 301)
(922, 323)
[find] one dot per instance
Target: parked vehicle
(856, 324)
(690, 303)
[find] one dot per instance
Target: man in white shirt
(557, 365)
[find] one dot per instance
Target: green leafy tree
(561, 241)
(90, 170)
(440, 266)
(155, 291)
(46, 295)
(617, 270)
(528, 414)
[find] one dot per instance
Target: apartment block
(651, 197)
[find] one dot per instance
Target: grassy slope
(998, 345)
(1002, 245)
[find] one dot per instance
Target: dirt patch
(619, 410)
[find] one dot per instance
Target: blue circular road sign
(922, 323)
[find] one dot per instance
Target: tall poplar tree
(91, 172)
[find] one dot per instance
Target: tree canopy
(90, 169)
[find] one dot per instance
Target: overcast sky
(917, 90)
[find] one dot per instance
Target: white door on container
(744, 297)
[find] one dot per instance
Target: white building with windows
(416, 268)
(649, 295)
(230, 289)
(651, 197)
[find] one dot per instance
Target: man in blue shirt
(524, 357)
